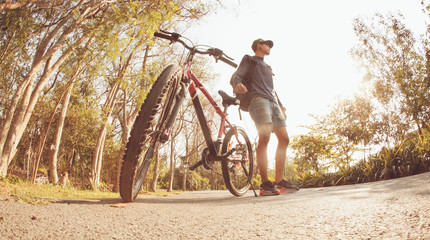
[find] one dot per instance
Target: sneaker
(286, 187)
(267, 189)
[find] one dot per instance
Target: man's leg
(263, 140)
(281, 152)
(261, 112)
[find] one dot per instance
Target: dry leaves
(119, 205)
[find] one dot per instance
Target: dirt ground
(393, 209)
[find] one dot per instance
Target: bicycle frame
(158, 113)
(190, 81)
(225, 124)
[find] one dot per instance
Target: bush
(409, 158)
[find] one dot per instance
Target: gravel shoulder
(393, 209)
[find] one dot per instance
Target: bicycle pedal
(197, 164)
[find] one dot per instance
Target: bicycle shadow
(95, 201)
(199, 197)
(407, 185)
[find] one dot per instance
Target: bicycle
(158, 113)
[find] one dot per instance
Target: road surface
(393, 209)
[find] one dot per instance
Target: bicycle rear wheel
(148, 132)
(238, 168)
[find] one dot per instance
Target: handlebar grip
(228, 62)
(162, 35)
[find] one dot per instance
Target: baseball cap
(254, 44)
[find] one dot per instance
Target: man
(267, 114)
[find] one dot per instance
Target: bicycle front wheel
(148, 131)
(238, 167)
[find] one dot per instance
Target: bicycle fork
(164, 136)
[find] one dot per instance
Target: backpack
(245, 99)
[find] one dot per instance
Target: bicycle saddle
(228, 100)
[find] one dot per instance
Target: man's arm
(240, 76)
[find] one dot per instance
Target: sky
(311, 55)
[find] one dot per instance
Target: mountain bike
(151, 130)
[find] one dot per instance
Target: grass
(27, 192)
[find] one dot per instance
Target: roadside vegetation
(17, 189)
(75, 73)
(20, 190)
(383, 131)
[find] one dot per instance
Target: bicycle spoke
(235, 166)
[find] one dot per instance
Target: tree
(312, 153)
(11, 4)
(56, 43)
(135, 35)
(65, 99)
(41, 35)
(335, 137)
(396, 65)
(53, 175)
(42, 44)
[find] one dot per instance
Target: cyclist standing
(267, 114)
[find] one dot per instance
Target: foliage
(25, 191)
(410, 157)
(114, 33)
(396, 64)
(311, 153)
(393, 117)
(198, 182)
(392, 113)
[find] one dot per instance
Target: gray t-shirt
(259, 76)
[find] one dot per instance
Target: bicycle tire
(239, 166)
(145, 134)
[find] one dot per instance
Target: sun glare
(311, 54)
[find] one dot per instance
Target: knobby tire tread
(140, 128)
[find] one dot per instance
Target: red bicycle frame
(194, 84)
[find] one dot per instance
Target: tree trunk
(27, 93)
(27, 159)
(156, 172)
(184, 181)
(53, 175)
(97, 158)
(19, 119)
(45, 134)
(172, 165)
(11, 5)
(185, 162)
(127, 121)
(109, 106)
(119, 165)
(98, 151)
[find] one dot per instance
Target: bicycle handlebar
(165, 36)
(218, 54)
(231, 63)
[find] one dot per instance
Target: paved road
(394, 209)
